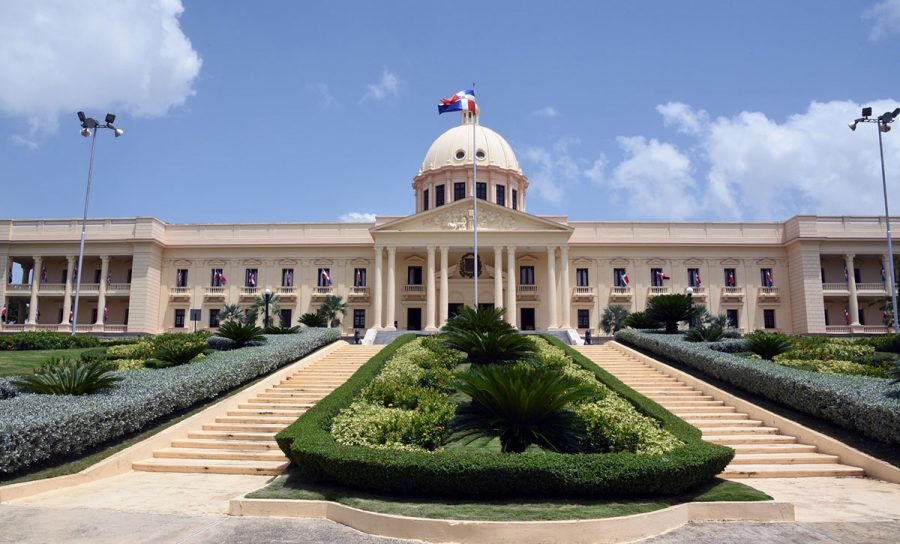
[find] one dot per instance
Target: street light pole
(268, 296)
(89, 127)
(883, 123)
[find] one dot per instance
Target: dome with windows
(454, 148)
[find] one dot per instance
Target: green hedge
(458, 473)
(23, 341)
(870, 406)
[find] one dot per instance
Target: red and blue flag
(461, 101)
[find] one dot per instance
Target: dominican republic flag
(251, 279)
(731, 279)
(769, 281)
(44, 273)
(288, 279)
(625, 279)
(846, 276)
(326, 279)
(846, 316)
(179, 279)
(461, 101)
(3, 313)
(105, 313)
(220, 279)
(71, 316)
(108, 278)
(883, 275)
(358, 278)
(697, 280)
(663, 276)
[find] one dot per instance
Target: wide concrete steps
(242, 440)
(760, 451)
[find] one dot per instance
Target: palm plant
(485, 338)
(613, 319)
(670, 310)
(69, 377)
(768, 344)
(521, 405)
(259, 305)
(241, 332)
(231, 312)
(639, 320)
(705, 333)
(178, 349)
(313, 319)
(331, 307)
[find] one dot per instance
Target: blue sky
(288, 111)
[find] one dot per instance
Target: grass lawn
(292, 487)
(22, 362)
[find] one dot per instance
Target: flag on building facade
(625, 279)
(461, 101)
(731, 279)
(326, 279)
(179, 279)
(71, 316)
(289, 279)
(108, 278)
(358, 278)
(105, 313)
(846, 316)
(697, 280)
(251, 279)
(663, 276)
(75, 274)
(44, 273)
(846, 275)
(220, 279)
(769, 281)
(3, 313)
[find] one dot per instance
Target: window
(481, 190)
(125, 322)
(584, 319)
(425, 199)
(359, 277)
(515, 199)
(501, 195)
(766, 279)
(60, 318)
(287, 277)
(286, 316)
(181, 276)
(213, 318)
(694, 277)
(129, 276)
(459, 191)
(769, 318)
(359, 318)
(856, 278)
(64, 276)
(823, 274)
(97, 278)
(324, 277)
(526, 275)
(93, 315)
(656, 279)
(414, 275)
(179, 318)
(217, 278)
(730, 277)
(861, 312)
(619, 277)
(438, 196)
(732, 317)
(581, 277)
(827, 322)
(250, 277)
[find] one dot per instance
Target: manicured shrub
(484, 337)
(767, 344)
(639, 320)
(36, 428)
(704, 333)
(220, 343)
(280, 330)
(95, 355)
(669, 310)
(69, 377)
(40, 340)
(142, 349)
(374, 425)
(870, 406)
(832, 366)
(240, 333)
(884, 342)
(129, 364)
(178, 349)
(613, 425)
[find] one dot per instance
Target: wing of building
(809, 274)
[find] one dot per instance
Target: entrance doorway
(526, 323)
(414, 319)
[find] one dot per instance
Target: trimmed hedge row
(457, 473)
(22, 341)
(36, 428)
(868, 405)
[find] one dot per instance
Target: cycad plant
(521, 405)
(768, 344)
(670, 310)
(332, 307)
(613, 319)
(639, 320)
(485, 338)
(241, 332)
(313, 319)
(69, 377)
(705, 333)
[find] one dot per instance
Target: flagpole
(475, 188)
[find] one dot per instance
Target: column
(67, 298)
(851, 285)
(4, 279)
(101, 299)
(510, 312)
(35, 285)
(379, 258)
(498, 276)
(886, 265)
(429, 291)
(551, 288)
(391, 289)
(564, 286)
(445, 296)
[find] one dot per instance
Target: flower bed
(870, 406)
(36, 428)
(413, 464)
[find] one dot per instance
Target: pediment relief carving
(286, 262)
(581, 261)
(217, 263)
(360, 262)
(656, 262)
(693, 262)
(730, 262)
(323, 262)
(252, 262)
(766, 262)
(526, 259)
(619, 261)
(414, 260)
(181, 263)
(464, 219)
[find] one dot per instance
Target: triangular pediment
(460, 216)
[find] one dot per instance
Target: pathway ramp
(761, 451)
(243, 440)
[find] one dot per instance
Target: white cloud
(685, 119)
(24, 142)
(324, 91)
(555, 170)
(547, 111)
(58, 57)
(358, 217)
(389, 85)
(884, 17)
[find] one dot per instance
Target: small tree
(231, 312)
(259, 305)
(613, 319)
(331, 307)
(670, 310)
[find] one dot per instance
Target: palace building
(809, 274)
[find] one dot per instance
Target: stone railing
(620, 292)
(18, 287)
(527, 291)
(180, 292)
(871, 287)
(118, 287)
(284, 291)
(835, 286)
(837, 329)
(250, 292)
(55, 288)
(769, 292)
(215, 292)
(322, 292)
(732, 292)
(583, 292)
(655, 290)
(359, 291)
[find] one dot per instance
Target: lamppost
(268, 296)
(884, 125)
(89, 127)
(690, 295)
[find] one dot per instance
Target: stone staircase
(761, 451)
(243, 440)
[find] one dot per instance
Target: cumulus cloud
(358, 217)
(884, 18)
(387, 86)
(682, 117)
(555, 169)
(324, 91)
(547, 111)
(58, 57)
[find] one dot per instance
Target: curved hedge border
(464, 474)
(870, 406)
(35, 428)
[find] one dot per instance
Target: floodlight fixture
(85, 132)
(867, 111)
(110, 118)
(81, 116)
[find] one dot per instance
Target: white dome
(454, 148)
